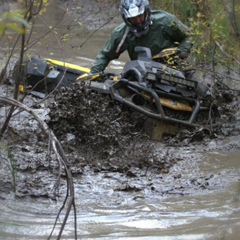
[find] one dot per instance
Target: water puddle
(106, 214)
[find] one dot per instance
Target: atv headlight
(151, 76)
(177, 80)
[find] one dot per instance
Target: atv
(157, 86)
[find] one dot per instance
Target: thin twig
(226, 54)
(61, 157)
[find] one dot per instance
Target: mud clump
(103, 133)
(106, 135)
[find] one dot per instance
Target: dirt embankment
(102, 136)
(107, 137)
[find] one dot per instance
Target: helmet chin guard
(135, 8)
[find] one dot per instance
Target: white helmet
(134, 8)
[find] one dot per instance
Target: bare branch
(226, 54)
(69, 199)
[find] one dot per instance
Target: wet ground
(127, 186)
(99, 135)
(123, 180)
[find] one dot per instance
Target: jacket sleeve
(179, 34)
(100, 63)
(108, 52)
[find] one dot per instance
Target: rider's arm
(108, 51)
(100, 63)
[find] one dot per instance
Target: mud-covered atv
(150, 86)
(153, 86)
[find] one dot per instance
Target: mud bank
(103, 138)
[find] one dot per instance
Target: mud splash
(100, 135)
(108, 137)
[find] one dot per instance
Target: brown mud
(100, 136)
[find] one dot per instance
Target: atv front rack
(133, 89)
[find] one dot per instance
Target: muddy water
(106, 214)
(102, 213)
(80, 43)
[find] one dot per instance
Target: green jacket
(165, 31)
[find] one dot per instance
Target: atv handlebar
(167, 53)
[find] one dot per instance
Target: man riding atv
(153, 82)
(156, 30)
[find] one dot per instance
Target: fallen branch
(61, 157)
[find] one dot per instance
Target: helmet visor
(137, 21)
